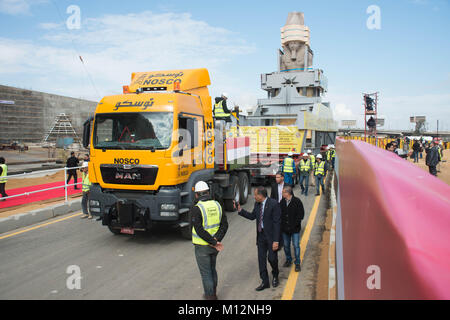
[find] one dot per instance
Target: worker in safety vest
(209, 225)
(3, 178)
(441, 156)
(86, 187)
(288, 168)
(331, 155)
(221, 111)
(313, 163)
(304, 168)
(320, 171)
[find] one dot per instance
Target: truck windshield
(133, 131)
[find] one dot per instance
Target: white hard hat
(309, 151)
(201, 186)
(319, 156)
(225, 95)
(290, 154)
(85, 164)
(333, 146)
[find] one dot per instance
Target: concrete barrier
(32, 217)
(393, 225)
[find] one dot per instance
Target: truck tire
(229, 206)
(244, 187)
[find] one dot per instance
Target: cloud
(114, 46)
(18, 7)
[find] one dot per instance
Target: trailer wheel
(244, 187)
(229, 206)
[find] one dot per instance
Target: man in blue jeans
(292, 213)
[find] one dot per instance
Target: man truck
(151, 144)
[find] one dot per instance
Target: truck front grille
(129, 174)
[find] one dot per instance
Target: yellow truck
(151, 144)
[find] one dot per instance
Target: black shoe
(263, 286)
(317, 194)
(275, 282)
(297, 268)
(303, 191)
(98, 219)
(287, 264)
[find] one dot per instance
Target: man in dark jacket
(292, 213)
(432, 158)
(416, 150)
(72, 162)
(268, 217)
(277, 187)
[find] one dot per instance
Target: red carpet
(39, 196)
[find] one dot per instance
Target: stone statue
(295, 42)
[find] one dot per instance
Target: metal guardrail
(21, 175)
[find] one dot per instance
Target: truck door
(191, 131)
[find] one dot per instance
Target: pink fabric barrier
(394, 216)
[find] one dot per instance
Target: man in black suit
(276, 192)
(268, 217)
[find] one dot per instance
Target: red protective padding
(395, 216)
(44, 195)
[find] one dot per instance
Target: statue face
(293, 47)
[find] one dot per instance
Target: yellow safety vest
(3, 177)
(313, 160)
(288, 165)
(218, 110)
(331, 154)
(86, 183)
(320, 168)
(212, 215)
(305, 165)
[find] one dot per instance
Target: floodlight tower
(371, 111)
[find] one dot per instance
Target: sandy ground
(444, 175)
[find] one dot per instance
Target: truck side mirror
(87, 132)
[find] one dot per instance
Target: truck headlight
(168, 207)
(94, 203)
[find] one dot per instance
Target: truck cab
(148, 148)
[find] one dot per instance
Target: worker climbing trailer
(151, 144)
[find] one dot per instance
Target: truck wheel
(244, 187)
(229, 206)
(115, 231)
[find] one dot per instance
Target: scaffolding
(62, 128)
(371, 111)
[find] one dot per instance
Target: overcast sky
(406, 59)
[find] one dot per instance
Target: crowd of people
(434, 151)
(278, 220)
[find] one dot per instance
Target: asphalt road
(36, 264)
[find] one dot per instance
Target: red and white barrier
(393, 227)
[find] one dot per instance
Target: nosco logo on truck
(126, 161)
